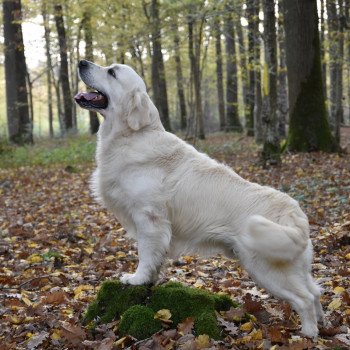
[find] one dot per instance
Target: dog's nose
(83, 63)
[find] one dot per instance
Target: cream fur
(172, 200)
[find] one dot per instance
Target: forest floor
(57, 245)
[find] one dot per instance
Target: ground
(57, 246)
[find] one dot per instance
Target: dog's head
(119, 93)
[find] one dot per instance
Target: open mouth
(92, 99)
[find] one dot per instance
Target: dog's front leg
(153, 240)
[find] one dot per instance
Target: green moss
(138, 321)
(136, 305)
(113, 299)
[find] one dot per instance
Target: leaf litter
(57, 245)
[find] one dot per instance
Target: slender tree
(271, 147)
(323, 45)
(308, 123)
(64, 72)
(194, 45)
(232, 118)
(252, 43)
(158, 70)
(282, 90)
(18, 116)
(45, 16)
(219, 73)
(94, 122)
(179, 79)
(336, 53)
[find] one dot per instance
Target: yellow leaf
(163, 315)
(256, 334)
(347, 256)
(121, 255)
(34, 258)
(15, 320)
(110, 258)
(32, 245)
(120, 342)
(247, 327)
(203, 341)
(26, 301)
(89, 250)
(80, 289)
(29, 335)
(338, 290)
(56, 334)
(335, 304)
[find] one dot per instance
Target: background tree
(89, 55)
(18, 117)
(219, 72)
(64, 72)
(308, 123)
(232, 118)
(271, 147)
(158, 72)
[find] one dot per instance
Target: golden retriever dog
(173, 199)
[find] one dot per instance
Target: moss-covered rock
(137, 305)
(139, 322)
(113, 299)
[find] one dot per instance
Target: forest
(260, 85)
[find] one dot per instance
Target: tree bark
(158, 71)
(253, 42)
(282, 91)
(89, 54)
(323, 45)
(179, 80)
(336, 52)
(232, 118)
(242, 54)
(48, 67)
(64, 73)
(308, 129)
(194, 55)
(219, 73)
(18, 116)
(271, 147)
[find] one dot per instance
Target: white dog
(173, 199)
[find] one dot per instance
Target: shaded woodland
(275, 70)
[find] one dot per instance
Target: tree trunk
(89, 55)
(308, 129)
(323, 45)
(243, 63)
(194, 55)
(252, 43)
(232, 118)
(271, 147)
(219, 73)
(158, 71)
(48, 66)
(336, 52)
(282, 91)
(64, 74)
(18, 117)
(179, 80)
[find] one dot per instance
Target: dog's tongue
(89, 96)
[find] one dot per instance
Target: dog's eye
(112, 73)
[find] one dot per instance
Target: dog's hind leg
(153, 240)
(289, 282)
(316, 292)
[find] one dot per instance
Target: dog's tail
(277, 242)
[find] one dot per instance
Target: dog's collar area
(92, 99)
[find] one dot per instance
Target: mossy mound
(137, 305)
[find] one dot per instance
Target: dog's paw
(134, 279)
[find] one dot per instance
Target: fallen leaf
(73, 333)
(36, 340)
(203, 341)
(186, 326)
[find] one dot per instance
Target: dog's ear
(138, 110)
